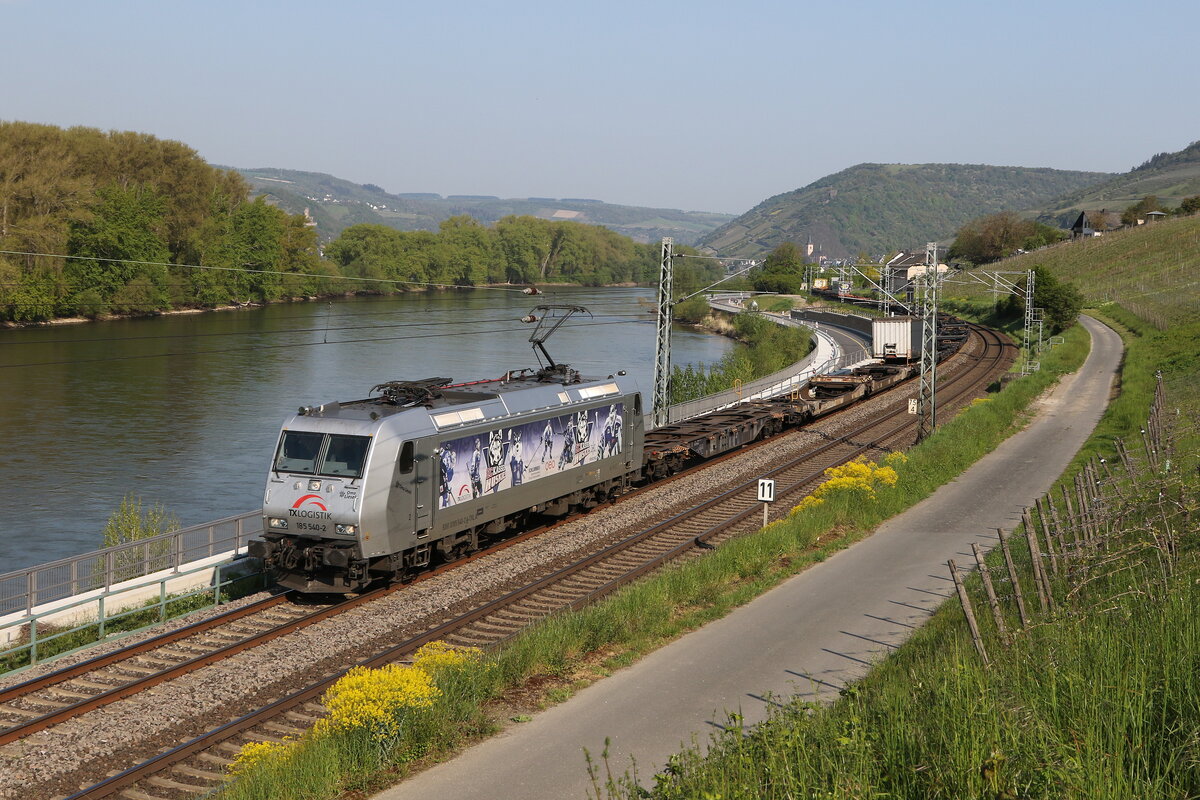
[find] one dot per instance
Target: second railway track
(192, 768)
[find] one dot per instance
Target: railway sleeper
(168, 783)
(202, 774)
(212, 758)
(137, 794)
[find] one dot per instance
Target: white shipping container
(896, 338)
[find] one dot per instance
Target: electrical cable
(224, 351)
(430, 323)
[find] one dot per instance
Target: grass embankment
(1096, 698)
(1152, 270)
(571, 650)
(770, 348)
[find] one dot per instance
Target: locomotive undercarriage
(320, 566)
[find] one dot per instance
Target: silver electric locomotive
(427, 471)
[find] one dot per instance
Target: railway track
(197, 765)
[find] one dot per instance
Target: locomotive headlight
(348, 530)
(277, 523)
(314, 486)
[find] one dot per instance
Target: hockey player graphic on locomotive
(425, 471)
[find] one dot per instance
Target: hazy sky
(700, 105)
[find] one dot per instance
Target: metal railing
(84, 619)
(854, 322)
(773, 385)
(25, 589)
(783, 381)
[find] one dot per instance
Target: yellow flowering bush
(856, 479)
(377, 700)
(255, 754)
(438, 656)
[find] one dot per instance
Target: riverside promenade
(808, 636)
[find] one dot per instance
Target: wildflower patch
(381, 705)
(377, 700)
(855, 481)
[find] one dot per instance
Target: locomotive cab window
(312, 453)
(345, 456)
(406, 458)
(298, 451)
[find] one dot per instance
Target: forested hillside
(95, 223)
(336, 204)
(92, 222)
(877, 208)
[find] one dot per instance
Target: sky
(701, 106)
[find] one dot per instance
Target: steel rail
(311, 693)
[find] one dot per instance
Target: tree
(1138, 210)
(1061, 302)
(783, 271)
(122, 242)
(996, 236)
(1189, 205)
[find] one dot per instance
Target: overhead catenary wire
(252, 332)
(225, 351)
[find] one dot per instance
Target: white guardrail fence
(90, 596)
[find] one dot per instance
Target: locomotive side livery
(428, 471)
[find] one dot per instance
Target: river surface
(185, 410)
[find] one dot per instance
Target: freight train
(424, 472)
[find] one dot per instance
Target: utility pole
(1029, 366)
(662, 347)
(927, 291)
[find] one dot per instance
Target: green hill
(1152, 270)
(336, 204)
(1169, 176)
(876, 208)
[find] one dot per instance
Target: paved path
(808, 636)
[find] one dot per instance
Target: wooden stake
(1071, 519)
(1012, 577)
(966, 604)
(1035, 558)
(1085, 510)
(990, 590)
(1049, 536)
(1124, 454)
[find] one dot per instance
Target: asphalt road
(809, 636)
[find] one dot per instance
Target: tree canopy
(1061, 301)
(783, 271)
(997, 236)
(517, 249)
(118, 221)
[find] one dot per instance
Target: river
(184, 410)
